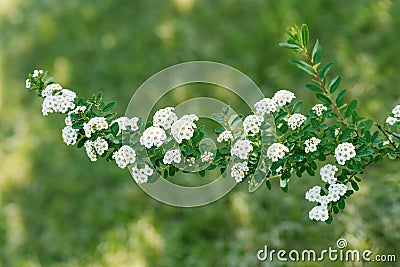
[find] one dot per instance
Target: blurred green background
(59, 209)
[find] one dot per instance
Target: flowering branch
(276, 141)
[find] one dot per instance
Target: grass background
(59, 209)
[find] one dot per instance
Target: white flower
(124, 156)
(283, 97)
(396, 111)
(319, 109)
(95, 124)
(311, 144)
(252, 123)
(225, 135)
(296, 120)
(191, 161)
(94, 148)
(327, 173)
(90, 151)
(391, 120)
(314, 194)
(184, 128)
(50, 89)
(207, 156)
(28, 84)
(339, 189)
(172, 156)
(337, 131)
(142, 175)
(69, 135)
(165, 118)
(276, 151)
(61, 102)
(319, 213)
(265, 106)
(100, 145)
(125, 122)
(241, 149)
(344, 152)
(36, 73)
(239, 170)
(153, 136)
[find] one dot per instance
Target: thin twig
(387, 137)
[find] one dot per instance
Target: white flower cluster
(311, 144)
(319, 213)
(319, 109)
(327, 173)
(94, 148)
(125, 122)
(172, 156)
(36, 73)
(28, 84)
(344, 152)
(265, 106)
(57, 99)
(276, 151)
(207, 156)
(153, 136)
(165, 118)
(184, 127)
(191, 161)
(225, 136)
(283, 97)
(238, 171)
(94, 124)
(296, 120)
(252, 123)
(124, 156)
(396, 116)
(142, 175)
(241, 149)
(69, 135)
(335, 192)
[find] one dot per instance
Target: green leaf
(324, 99)
(342, 203)
(329, 221)
(77, 125)
(350, 108)
(114, 128)
(202, 173)
(218, 117)
(303, 66)
(227, 110)
(297, 107)
(323, 72)
(289, 46)
(354, 185)
(111, 116)
(305, 34)
(314, 88)
(268, 184)
(334, 84)
(109, 106)
(81, 142)
(340, 98)
(316, 53)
